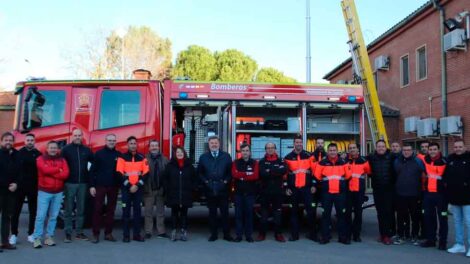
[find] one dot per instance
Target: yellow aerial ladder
(363, 72)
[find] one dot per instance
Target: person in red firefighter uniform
(133, 168)
(300, 188)
(359, 168)
(434, 201)
(245, 174)
(333, 174)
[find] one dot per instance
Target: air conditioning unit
(451, 125)
(341, 82)
(455, 40)
(427, 127)
(411, 124)
(382, 63)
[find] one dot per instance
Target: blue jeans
(47, 203)
(461, 217)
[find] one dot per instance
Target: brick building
(7, 110)
(412, 84)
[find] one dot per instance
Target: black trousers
(384, 204)
(435, 207)
(220, 203)
(273, 202)
(354, 206)
(305, 197)
(32, 195)
(179, 217)
(7, 206)
(407, 216)
(338, 200)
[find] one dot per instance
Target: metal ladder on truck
(363, 72)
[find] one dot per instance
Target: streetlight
(121, 32)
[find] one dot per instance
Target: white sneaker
(12, 240)
(468, 253)
(457, 248)
(31, 239)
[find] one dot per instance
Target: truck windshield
(43, 108)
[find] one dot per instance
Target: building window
(44, 108)
(119, 108)
(376, 80)
(404, 71)
(421, 63)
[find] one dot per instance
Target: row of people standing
(400, 182)
(419, 188)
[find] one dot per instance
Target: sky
(37, 38)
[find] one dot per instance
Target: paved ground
(198, 251)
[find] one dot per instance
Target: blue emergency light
(183, 95)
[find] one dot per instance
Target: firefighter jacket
(435, 168)
(359, 168)
(133, 168)
(333, 174)
(299, 173)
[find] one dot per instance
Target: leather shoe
(8, 246)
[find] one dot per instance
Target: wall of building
(421, 97)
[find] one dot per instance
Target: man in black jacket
(271, 171)
(78, 158)
(319, 152)
(214, 169)
(409, 171)
(27, 187)
(9, 174)
(383, 185)
(457, 181)
(104, 186)
(154, 193)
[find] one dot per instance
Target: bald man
(77, 156)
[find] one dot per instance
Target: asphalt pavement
(199, 251)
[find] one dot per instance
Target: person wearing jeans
(52, 172)
(457, 181)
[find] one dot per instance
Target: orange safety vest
(359, 168)
(300, 164)
(134, 166)
(333, 173)
(434, 173)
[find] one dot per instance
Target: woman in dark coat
(180, 179)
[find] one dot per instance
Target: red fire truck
(187, 112)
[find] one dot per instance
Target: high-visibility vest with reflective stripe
(135, 167)
(332, 174)
(434, 173)
(299, 164)
(359, 169)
